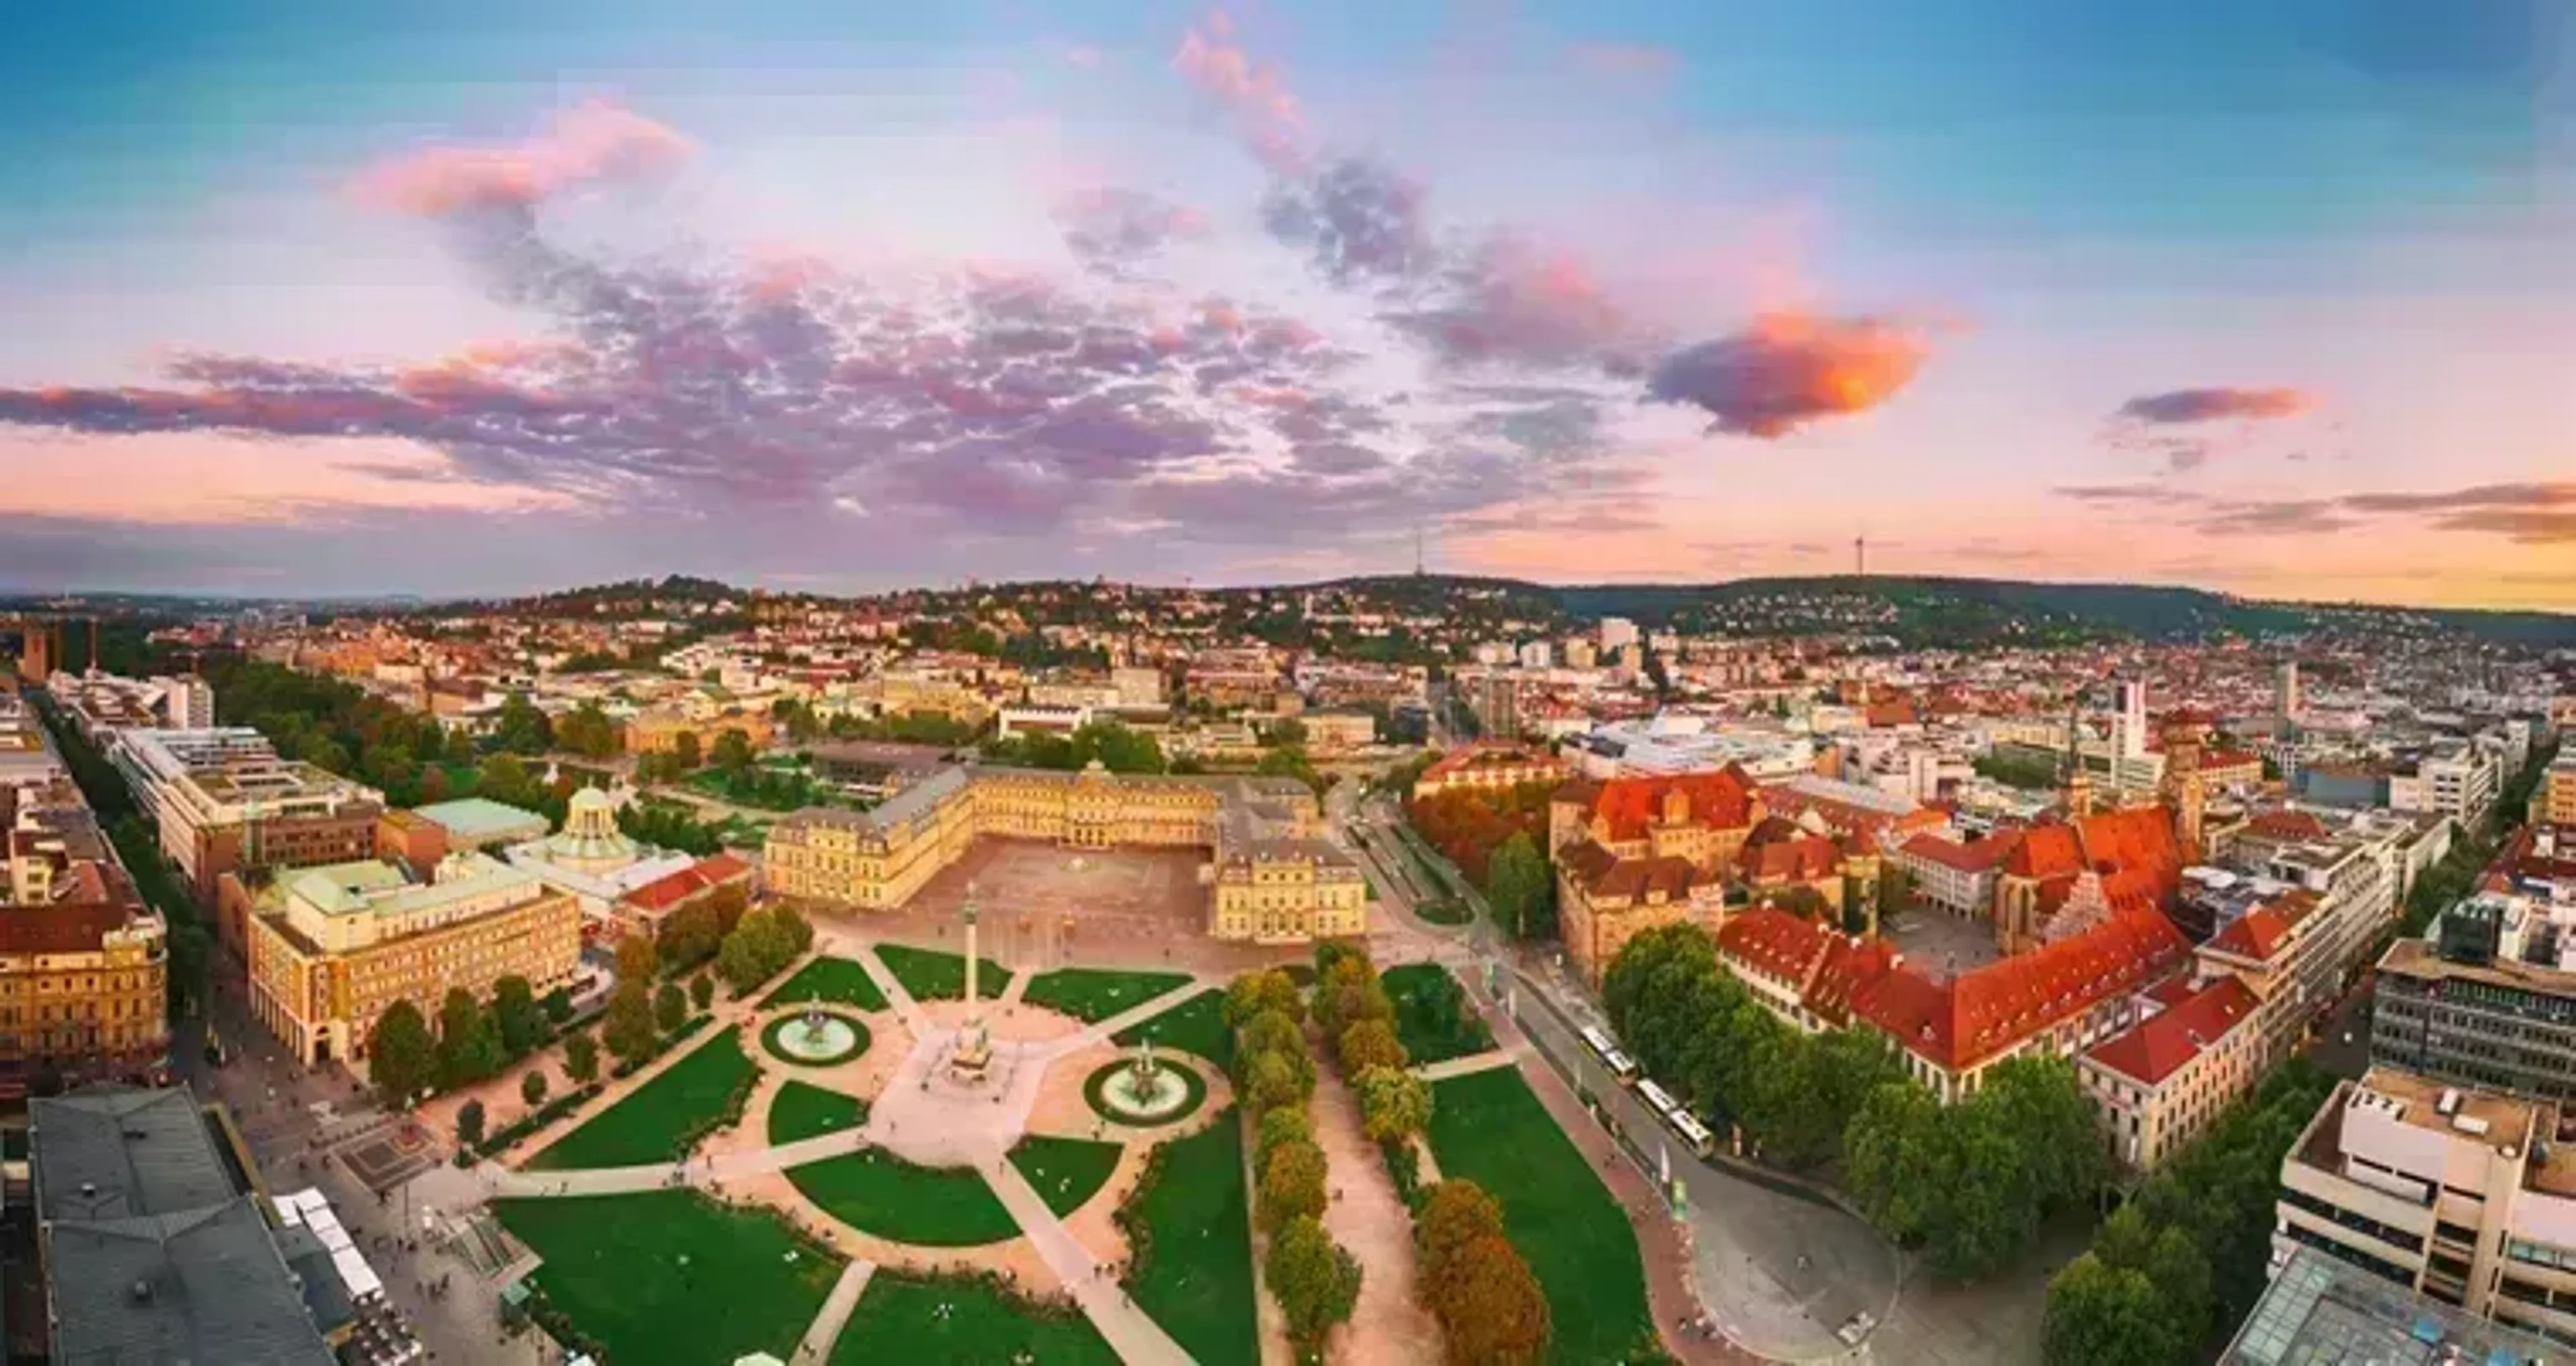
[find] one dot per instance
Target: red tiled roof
(1804, 859)
(2259, 933)
(2161, 1046)
(2046, 851)
(2135, 839)
(2229, 758)
(2287, 826)
(663, 893)
(1974, 856)
(1849, 965)
(1458, 761)
(1983, 1013)
(1718, 801)
(1774, 941)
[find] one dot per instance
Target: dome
(592, 799)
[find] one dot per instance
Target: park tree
(469, 1049)
(628, 1028)
(728, 902)
(637, 959)
(685, 751)
(702, 991)
(1368, 1045)
(1286, 1124)
(795, 933)
(1889, 1159)
(690, 936)
(402, 1057)
(1255, 992)
(1273, 1079)
(588, 732)
(1474, 1282)
(733, 752)
(581, 1058)
(469, 1124)
(2104, 1315)
(532, 1087)
(1291, 1184)
(1640, 962)
(520, 728)
(1315, 1280)
(1394, 1103)
(670, 1007)
(515, 1013)
(2041, 1103)
(1268, 1032)
(1516, 883)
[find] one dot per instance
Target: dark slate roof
(113, 1152)
(154, 1254)
(204, 1286)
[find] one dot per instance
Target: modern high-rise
(2286, 702)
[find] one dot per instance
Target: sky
(474, 298)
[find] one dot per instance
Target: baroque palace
(1272, 878)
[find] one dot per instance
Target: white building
(1536, 655)
(1617, 633)
(2458, 779)
(193, 782)
(1674, 742)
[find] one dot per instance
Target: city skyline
(481, 302)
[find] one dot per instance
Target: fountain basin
(1114, 1094)
(821, 1039)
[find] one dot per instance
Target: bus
(1692, 1132)
(1620, 1067)
(1658, 1100)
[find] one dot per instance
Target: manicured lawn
(962, 1321)
(879, 1193)
(839, 980)
(1196, 1025)
(931, 975)
(647, 1126)
(1490, 1129)
(1197, 1281)
(1447, 910)
(1093, 994)
(1065, 1172)
(802, 1111)
(1434, 1020)
(614, 1264)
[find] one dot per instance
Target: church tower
(2185, 734)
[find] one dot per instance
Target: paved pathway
(1369, 1218)
(1132, 1016)
(1133, 1334)
(1486, 1061)
(1019, 987)
(908, 1009)
(836, 1310)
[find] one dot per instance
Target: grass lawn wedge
(654, 1121)
(1094, 994)
(956, 1320)
(830, 981)
(800, 1111)
(1065, 1172)
(1489, 1128)
(931, 975)
(1190, 1221)
(876, 1192)
(1195, 1026)
(635, 1275)
(1434, 1019)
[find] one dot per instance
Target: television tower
(1860, 557)
(1417, 552)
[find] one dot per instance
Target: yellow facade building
(1273, 880)
(332, 947)
(84, 964)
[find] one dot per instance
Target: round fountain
(1142, 1090)
(817, 1038)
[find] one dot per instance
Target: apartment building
(2320, 906)
(2457, 778)
(223, 799)
(2465, 1196)
(332, 947)
(84, 964)
(2159, 1084)
(1271, 881)
(2554, 801)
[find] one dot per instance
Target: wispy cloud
(595, 140)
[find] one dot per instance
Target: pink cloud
(1789, 369)
(594, 140)
(1263, 109)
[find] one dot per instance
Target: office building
(2554, 801)
(1272, 879)
(1617, 633)
(2465, 1196)
(223, 800)
(2486, 998)
(332, 947)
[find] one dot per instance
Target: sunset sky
(312, 297)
